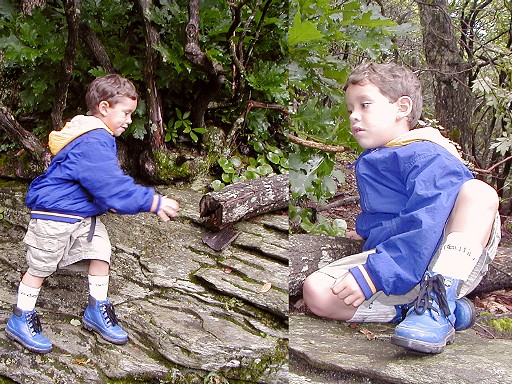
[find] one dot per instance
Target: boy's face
(117, 116)
(374, 120)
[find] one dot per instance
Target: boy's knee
(315, 292)
(478, 191)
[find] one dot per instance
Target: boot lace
(109, 313)
(33, 323)
(432, 289)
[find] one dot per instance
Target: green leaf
(258, 146)
(264, 169)
(217, 184)
(251, 175)
(235, 161)
(273, 158)
(227, 177)
(302, 31)
(223, 162)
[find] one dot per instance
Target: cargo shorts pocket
(46, 243)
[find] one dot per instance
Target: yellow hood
(76, 127)
(425, 134)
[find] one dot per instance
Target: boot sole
(31, 348)
(91, 327)
(423, 346)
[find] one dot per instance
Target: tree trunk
(72, 9)
(153, 101)
(214, 71)
(29, 142)
(453, 97)
(97, 48)
(310, 252)
(243, 200)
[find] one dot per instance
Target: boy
(82, 182)
(430, 228)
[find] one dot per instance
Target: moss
(175, 166)
(502, 325)
(254, 370)
(19, 166)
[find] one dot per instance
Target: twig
(489, 170)
(317, 145)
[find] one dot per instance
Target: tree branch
(198, 58)
(28, 140)
(97, 48)
(72, 9)
(154, 103)
(317, 145)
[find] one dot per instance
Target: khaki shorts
(341, 267)
(52, 245)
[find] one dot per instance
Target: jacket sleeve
(432, 184)
(110, 187)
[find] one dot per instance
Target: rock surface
(193, 314)
(328, 352)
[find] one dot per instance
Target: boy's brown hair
(108, 88)
(393, 81)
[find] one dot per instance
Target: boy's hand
(168, 209)
(347, 289)
(353, 235)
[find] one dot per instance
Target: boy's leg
(319, 298)
(45, 241)
(23, 325)
(99, 316)
(322, 302)
(471, 238)
(455, 270)
(98, 278)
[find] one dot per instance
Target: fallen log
(243, 200)
(309, 253)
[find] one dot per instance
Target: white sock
(27, 297)
(98, 286)
(374, 312)
(457, 256)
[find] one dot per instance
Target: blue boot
(465, 314)
(25, 328)
(429, 325)
(100, 317)
(401, 313)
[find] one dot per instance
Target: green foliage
(2, 210)
(33, 47)
(502, 325)
(311, 222)
(497, 98)
(234, 170)
(181, 123)
(325, 40)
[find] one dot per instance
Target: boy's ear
(103, 107)
(404, 106)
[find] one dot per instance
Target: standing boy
(82, 182)
(430, 228)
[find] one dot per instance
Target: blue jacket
(84, 178)
(406, 193)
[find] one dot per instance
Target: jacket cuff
(364, 281)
